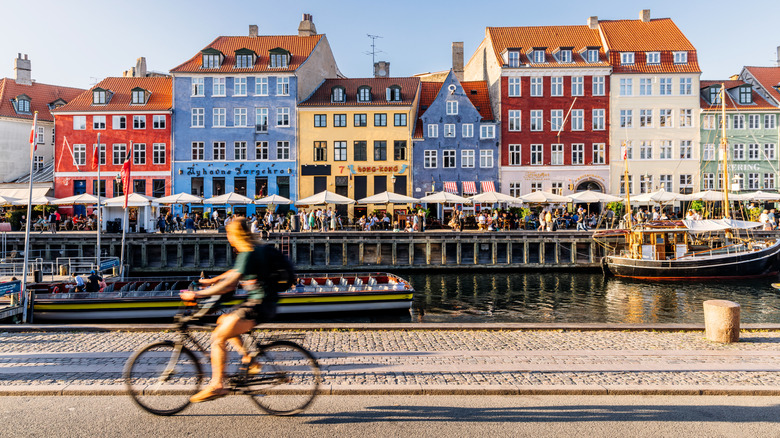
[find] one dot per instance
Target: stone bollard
(721, 320)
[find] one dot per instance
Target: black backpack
(277, 274)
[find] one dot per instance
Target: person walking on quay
(542, 225)
(610, 218)
(421, 213)
(548, 220)
(416, 222)
(312, 220)
(189, 224)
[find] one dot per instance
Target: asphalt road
(419, 416)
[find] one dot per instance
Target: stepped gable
(160, 97)
(41, 96)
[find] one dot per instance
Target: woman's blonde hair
(240, 235)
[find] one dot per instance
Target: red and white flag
(624, 151)
(96, 154)
(125, 174)
(33, 136)
(65, 145)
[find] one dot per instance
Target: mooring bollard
(721, 320)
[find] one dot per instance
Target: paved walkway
(444, 361)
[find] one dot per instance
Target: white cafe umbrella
(228, 199)
(7, 200)
(180, 198)
(325, 197)
(82, 199)
(590, 196)
(38, 200)
(756, 196)
(273, 200)
(133, 200)
(444, 198)
(660, 196)
(388, 198)
(541, 197)
(494, 198)
(707, 195)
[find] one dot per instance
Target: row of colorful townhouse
(535, 108)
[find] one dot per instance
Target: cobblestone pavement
(446, 360)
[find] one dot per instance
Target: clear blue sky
(78, 42)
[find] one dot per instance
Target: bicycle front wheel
(287, 381)
(162, 377)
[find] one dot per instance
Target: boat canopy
(708, 225)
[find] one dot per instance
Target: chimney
(593, 22)
(644, 15)
(381, 69)
(140, 68)
(23, 70)
(253, 30)
(306, 28)
(457, 59)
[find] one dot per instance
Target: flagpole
(125, 183)
(99, 215)
(26, 317)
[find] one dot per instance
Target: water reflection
(576, 297)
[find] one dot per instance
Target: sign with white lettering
(10, 287)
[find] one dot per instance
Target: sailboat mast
(624, 151)
(725, 149)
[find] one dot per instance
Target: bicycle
(162, 376)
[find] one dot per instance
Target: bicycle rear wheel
(162, 377)
(288, 380)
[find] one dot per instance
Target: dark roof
(322, 95)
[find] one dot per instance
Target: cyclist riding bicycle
(244, 317)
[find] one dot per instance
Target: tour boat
(157, 299)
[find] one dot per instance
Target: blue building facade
(456, 142)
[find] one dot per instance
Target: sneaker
(209, 393)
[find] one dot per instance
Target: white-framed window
(686, 118)
(79, 154)
(708, 153)
(769, 151)
(430, 159)
(139, 122)
(738, 151)
(626, 87)
(598, 119)
(556, 86)
(714, 95)
(99, 97)
(645, 150)
(623, 184)
(219, 149)
(645, 87)
(577, 86)
(708, 122)
(448, 159)
(198, 151)
(770, 121)
(487, 131)
(261, 119)
(515, 155)
(628, 149)
(592, 55)
(40, 137)
(599, 153)
(139, 153)
(665, 182)
(340, 151)
(754, 121)
(626, 118)
(769, 181)
(198, 118)
(708, 181)
(537, 154)
(754, 151)
(515, 189)
(283, 86)
(665, 88)
(37, 163)
(119, 122)
(645, 183)
(598, 86)
(653, 58)
(686, 149)
(261, 150)
(514, 120)
(514, 87)
(282, 150)
(556, 154)
(686, 86)
(138, 97)
(218, 88)
(556, 187)
(240, 117)
(486, 159)
(158, 121)
(210, 61)
(513, 59)
(577, 120)
(665, 150)
(556, 120)
(261, 86)
(536, 120)
(467, 158)
(239, 86)
(645, 118)
(577, 154)
(337, 95)
(738, 121)
(79, 123)
(239, 150)
(119, 154)
(449, 130)
(536, 187)
(340, 120)
(283, 117)
(452, 107)
(537, 87)
(198, 87)
(538, 56)
(626, 58)
(739, 182)
(468, 130)
(219, 117)
(680, 57)
(364, 94)
(433, 130)
(665, 118)
(564, 56)
(98, 122)
(686, 184)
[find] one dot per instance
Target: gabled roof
(759, 103)
(769, 78)
(552, 37)
(41, 95)
(321, 96)
(300, 47)
(477, 92)
(160, 98)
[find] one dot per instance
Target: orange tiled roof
(159, 100)
(551, 37)
(41, 95)
(300, 47)
(769, 78)
(477, 91)
(428, 93)
(759, 103)
(321, 96)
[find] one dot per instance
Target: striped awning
(488, 186)
(469, 187)
(450, 186)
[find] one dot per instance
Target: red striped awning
(488, 186)
(450, 186)
(469, 187)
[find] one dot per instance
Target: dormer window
(99, 96)
(564, 55)
(680, 57)
(23, 104)
(57, 103)
(393, 93)
(279, 58)
(245, 58)
(211, 58)
(592, 55)
(364, 94)
(513, 58)
(653, 58)
(139, 96)
(337, 94)
(714, 95)
(538, 55)
(745, 95)
(626, 58)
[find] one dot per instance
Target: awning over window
(469, 187)
(488, 186)
(450, 186)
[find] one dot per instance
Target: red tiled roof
(160, 99)
(769, 78)
(759, 103)
(41, 95)
(551, 37)
(429, 91)
(321, 96)
(300, 47)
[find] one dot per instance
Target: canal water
(547, 297)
